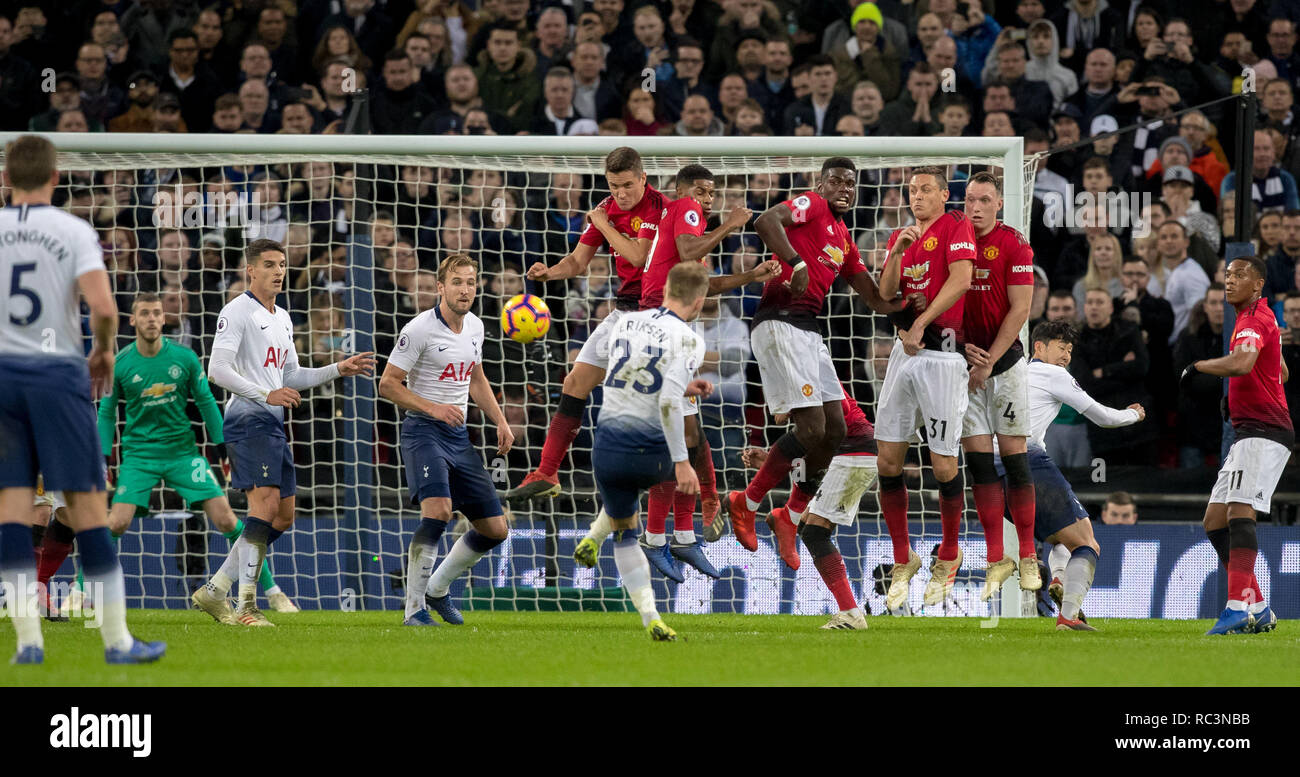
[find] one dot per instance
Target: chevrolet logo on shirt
(917, 271)
(981, 274)
(158, 390)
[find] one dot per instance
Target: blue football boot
(138, 653)
(1263, 621)
(693, 554)
(421, 618)
(661, 558)
(1231, 622)
(445, 609)
(29, 654)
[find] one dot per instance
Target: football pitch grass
(553, 648)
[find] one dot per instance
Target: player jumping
(851, 473)
(926, 380)
(641, 435)
(680, 237)
(156, 377)
(435, 368)
(808, 236)
(1059, 518)
(49, 259)
(996, 307)
(1264, 436)
(254, 358)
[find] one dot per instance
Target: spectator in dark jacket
(1154, 317)
(399, 106)
(1110, 362)
(1281, 265)
(371, 27)
(556, 114)
(1084, 26)
(1200, 431)
(1172, 57)
(1291, 353)
(822, 108)
(916, 111)
(1033, 98)
(193, 84)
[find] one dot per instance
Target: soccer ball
(525, 318)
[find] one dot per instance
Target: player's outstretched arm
(765, 271)
(1066, 390)
(480, 390)
(103, 326)
(1240, 362)
(392, 386)
(575, 263)
(693, 248)
(771, 227)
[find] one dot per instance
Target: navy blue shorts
(1055, 505)
(48, 425)
(441, 462)
(623, 473)
(262, 461)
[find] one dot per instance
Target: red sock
(559, 436)
(773, 471)
(1021, 499)
(704, 471)
(950, 510)
(683, 511)
(1241, 575)
(798, 501)
(661, 501)
(836, 578)
(893, 503)
(1254, 589)
(990, 504)
(52, 555)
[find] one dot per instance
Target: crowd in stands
(1100, 89)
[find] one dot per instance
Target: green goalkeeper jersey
(155, 390)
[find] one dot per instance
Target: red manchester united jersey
(924, 267)
(1003, 259)
(682, 217)
(1256, 400)
(824, 244)
(639, 222)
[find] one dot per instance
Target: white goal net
(365, 221)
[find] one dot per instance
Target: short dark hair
(396, 54)
(1048, 331)
(1177, 223)
(984, 176)
(1061, 294)
(1216, 286)
(623, 159)
(144, 297)
(839, 161)
(503, 26)
(924, 68)
(693, 172)
(940, 175)
(687, 42)
(260, 246)
(1095, 162)
(822, 60)
(179, 33)
(1121, 499)
(1036, 135)
(1135, 259)
(1255, 263)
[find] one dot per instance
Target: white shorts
(926, 390)
(1251, 473)
(1001, 406)
(847, 479)
(51, 499)
(596, 350)
(795, 367)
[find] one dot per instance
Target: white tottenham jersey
(1051, 386)
(262, 342)
(438, 362)
(650, 352)
(43, 251)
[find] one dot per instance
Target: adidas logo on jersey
(136, 379)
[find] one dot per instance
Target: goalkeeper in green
(154, 377)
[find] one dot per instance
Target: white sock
(600, 528)
(420, 558)
(1057, 559)
(1236, 604)
(1078, 579)
(750, 503)
(251, 558)
(459, 559)
(685, 536)
(22, 606)
(110, 589)
(247, 595)
(220, 583)
(229, 572)
(656, 540)
(635, 571)
(273, 590)
(1257, 607)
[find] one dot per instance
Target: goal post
(326, 197)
